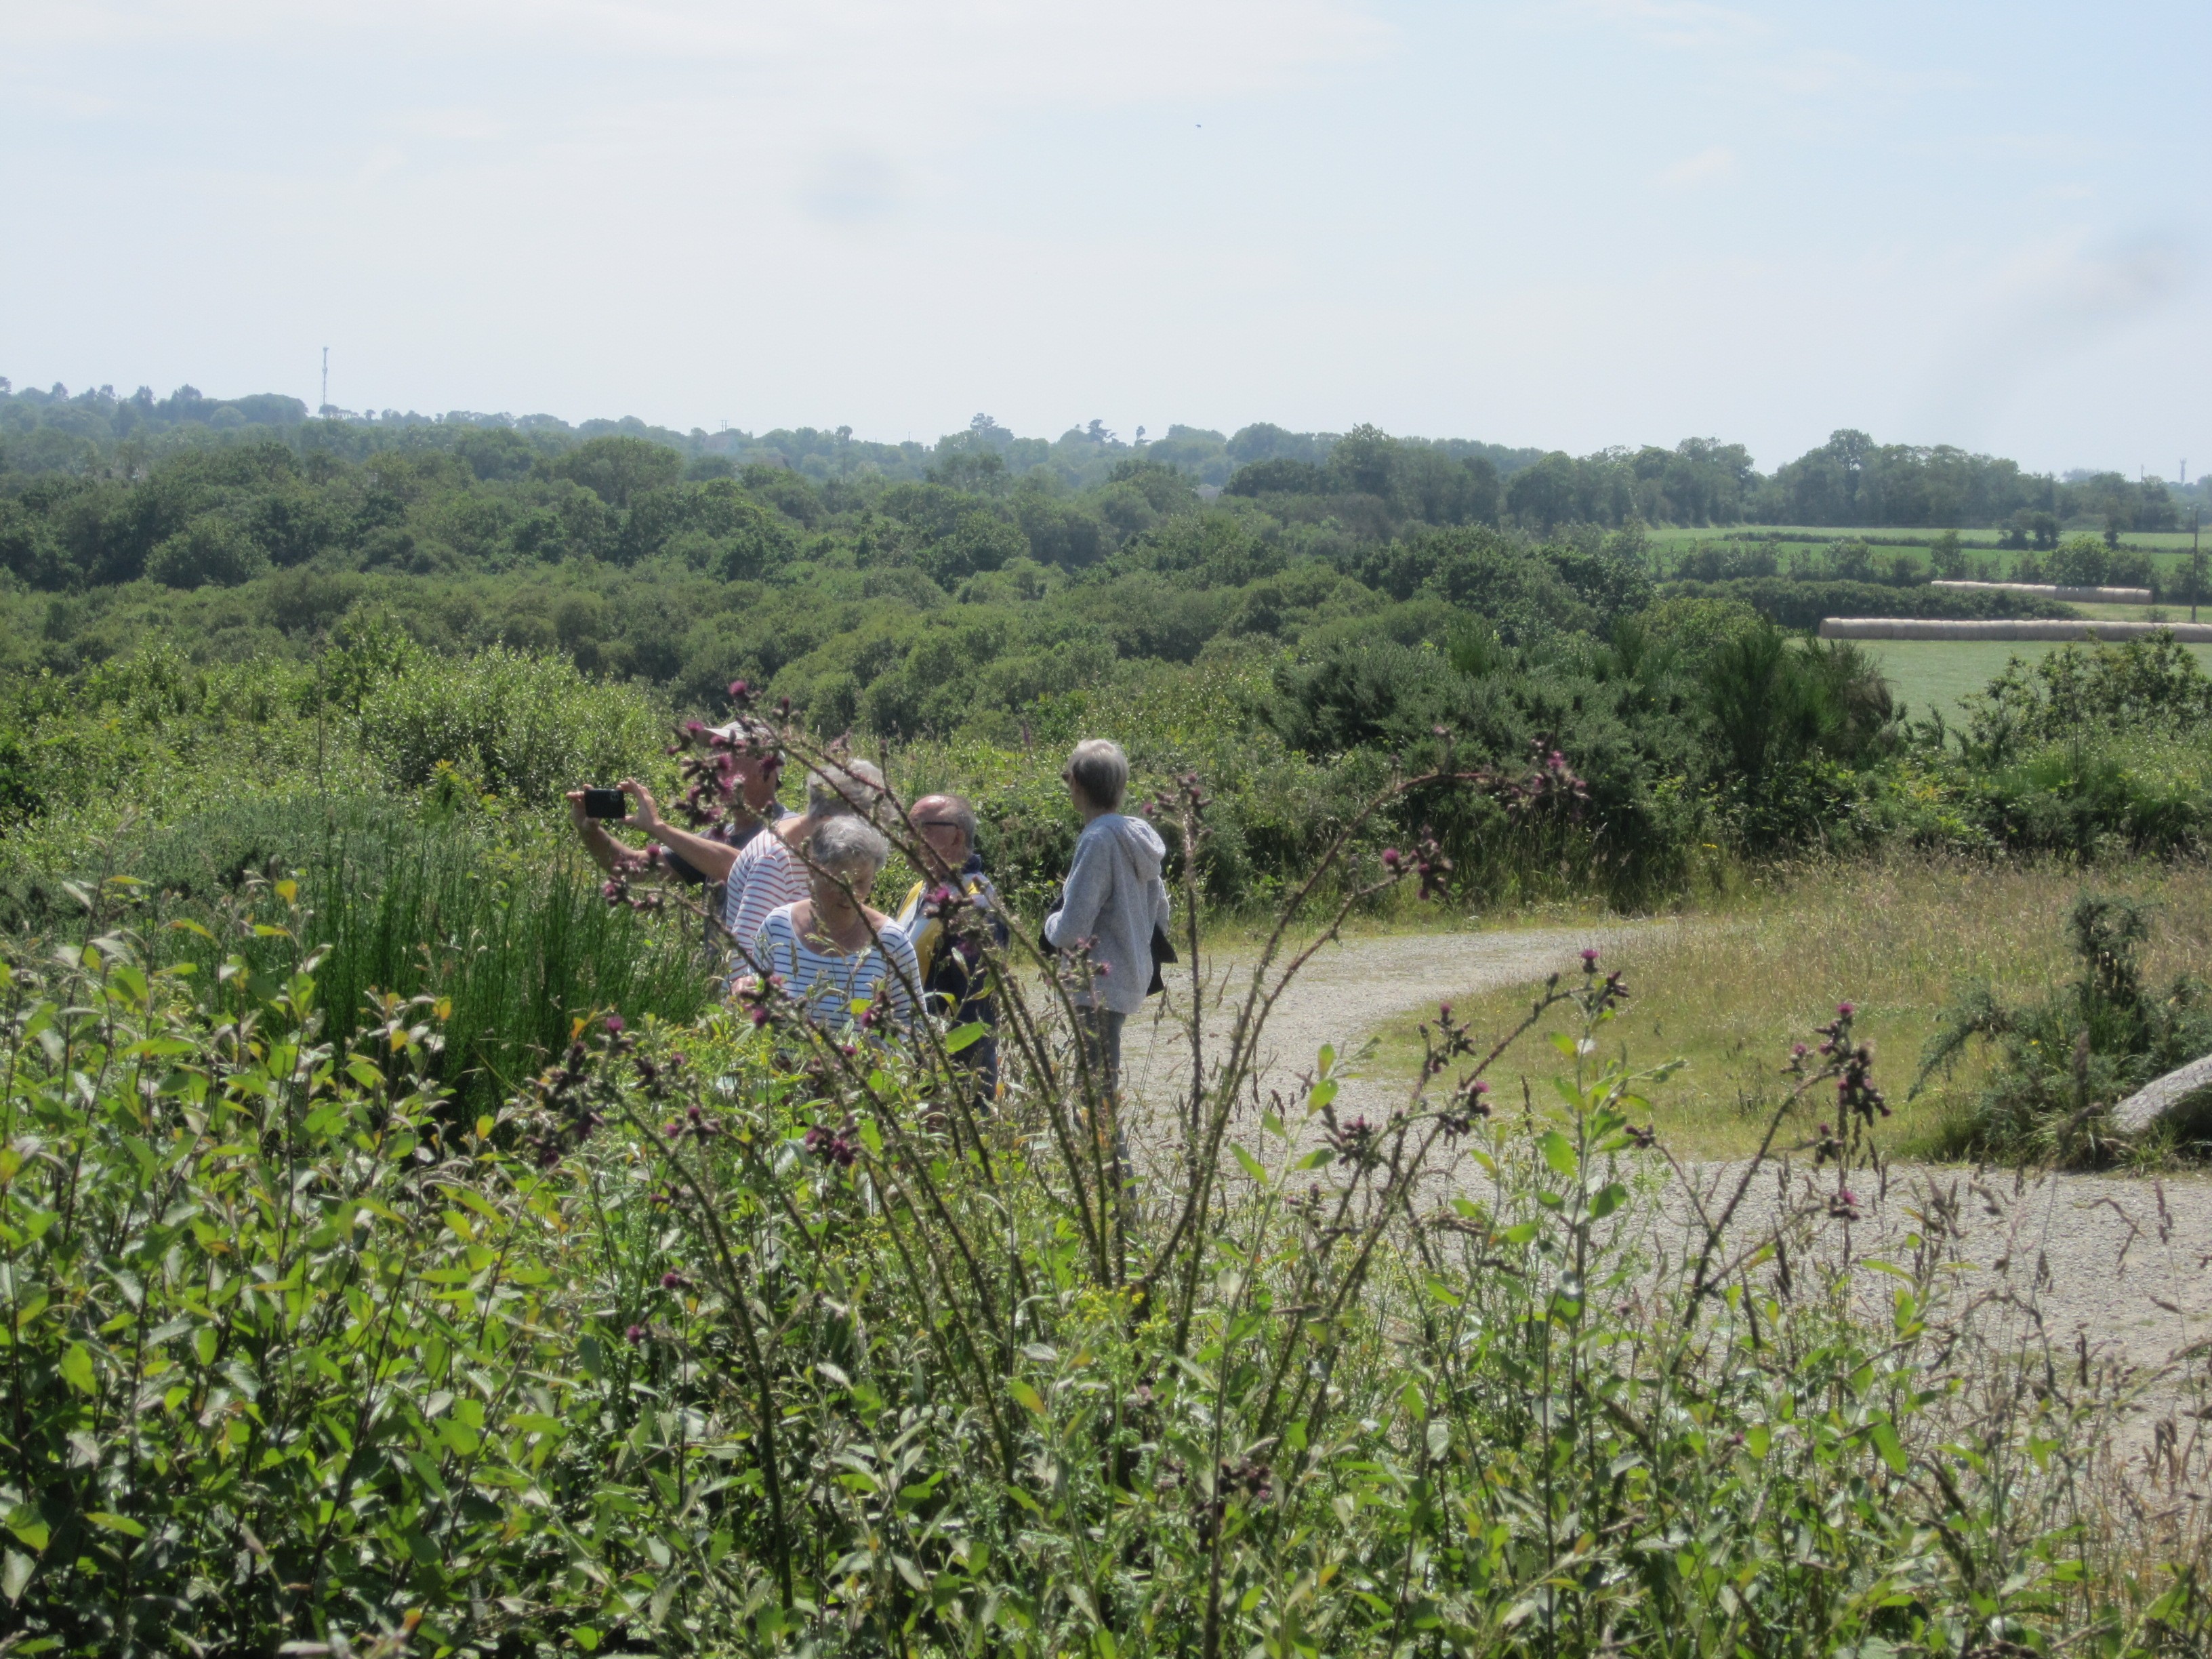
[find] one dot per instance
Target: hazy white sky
(1567, 224)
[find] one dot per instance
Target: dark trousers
(1099, 1031)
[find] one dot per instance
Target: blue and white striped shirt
(829, 982)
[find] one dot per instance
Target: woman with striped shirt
(839, 959)
(771, 871)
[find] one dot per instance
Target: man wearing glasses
(948, 938)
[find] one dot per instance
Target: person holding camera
(751, 768)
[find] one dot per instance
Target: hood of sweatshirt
(1138, 841)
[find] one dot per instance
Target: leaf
(1609, 1198)
(287, 890)
(15, 1574)
(28, 1528)
(1026, 1397)
(1559, 1152)
(122, 1523)
(1249, 1165)
(1328, 1058)
(1324, 1092)
(1439, 1438)
(77, 1368)
(1886, 1442)
(963, 1036)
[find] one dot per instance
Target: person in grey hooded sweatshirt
(1112, 901)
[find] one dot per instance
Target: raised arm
(711, 858)
(609, 854)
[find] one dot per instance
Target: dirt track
(2124, 1263)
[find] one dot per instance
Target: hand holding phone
(605, 804)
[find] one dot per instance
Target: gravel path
(1347, 992)
(2120, 1264)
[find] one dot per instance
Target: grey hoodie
(1114, 897)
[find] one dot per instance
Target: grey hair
(747, 735)
(962, 812)
(1100, 771)
(839, 844)
(852, 785)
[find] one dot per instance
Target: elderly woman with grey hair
(1112, 903)
(771, 871)
(838, 957)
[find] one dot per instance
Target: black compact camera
(605, 804)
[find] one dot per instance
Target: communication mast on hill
(2196, 562)
(325, 406)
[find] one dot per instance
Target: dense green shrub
(1805, 604)
(2063, 1063)
(767, 1346)
(2152, 683)
(514, 725)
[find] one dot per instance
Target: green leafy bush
(2062, 1064)
(279, 1361)
(774, 1346)
(515, 725)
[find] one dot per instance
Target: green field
(2170, 544)
(1939, 673)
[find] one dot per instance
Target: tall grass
(506, 931)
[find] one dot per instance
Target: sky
(1573, 224)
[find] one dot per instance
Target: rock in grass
(2148, 1104)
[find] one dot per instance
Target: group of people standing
(790, 892)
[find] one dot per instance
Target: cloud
(2052, 303)
(1691, 25)
(1705, 167)
(851, 187)
(1010, 49)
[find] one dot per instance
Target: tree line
(1364, 475)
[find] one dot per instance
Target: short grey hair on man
(960, 810)
(841, 844)
(746, 736)
(852, 785)
(1100, 771)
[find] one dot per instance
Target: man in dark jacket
(956, 980)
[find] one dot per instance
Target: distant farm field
(2169, 545)
(1939, 673)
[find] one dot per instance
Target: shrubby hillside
(205, 602)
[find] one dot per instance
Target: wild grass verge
(1731, 987)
